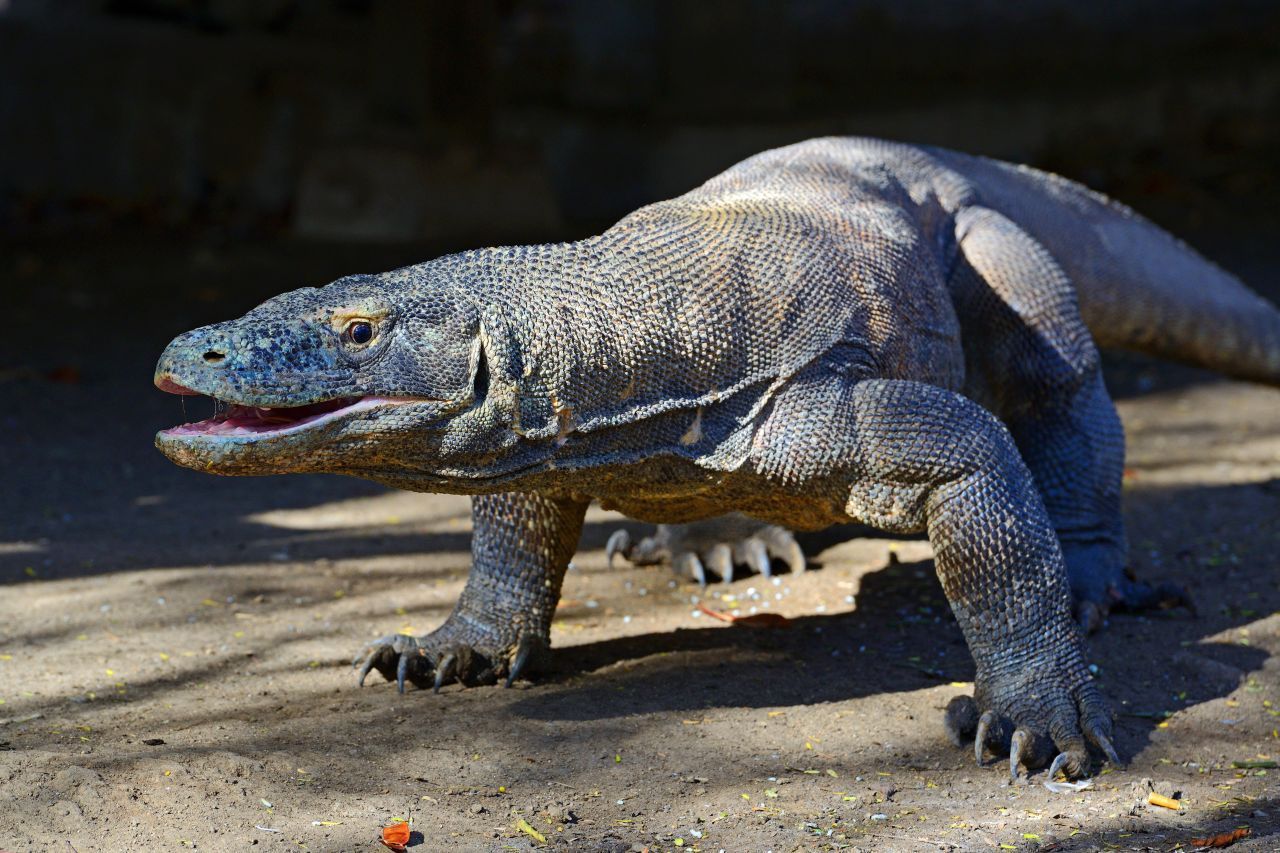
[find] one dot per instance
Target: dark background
(451, 123)
(165, 164)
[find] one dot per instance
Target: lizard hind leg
(723, 545)
(1031, 360)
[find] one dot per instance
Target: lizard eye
(359, 331)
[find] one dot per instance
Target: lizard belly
(677, 491)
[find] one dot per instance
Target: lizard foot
(720, 544)
(1101, 584)
(467, 656)
(1043, 729)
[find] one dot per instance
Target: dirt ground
(175, 648)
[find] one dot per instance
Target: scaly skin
(841, 330)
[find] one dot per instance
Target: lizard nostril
(213, 356)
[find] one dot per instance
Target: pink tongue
(249, 420)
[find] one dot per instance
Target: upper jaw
(234, 363)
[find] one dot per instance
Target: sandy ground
(174, 648)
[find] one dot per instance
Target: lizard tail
(1159, 296)
(1139, 287)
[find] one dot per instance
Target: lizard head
(326, 379)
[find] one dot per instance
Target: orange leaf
(755, 620)
(396, 836)
(1225, 839)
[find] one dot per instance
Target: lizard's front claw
(718, 546)
(438, 659)
(395, 656)
(1033, 734)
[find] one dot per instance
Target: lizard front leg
(521, 544)
(905, 456)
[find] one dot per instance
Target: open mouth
(230, 419)
(235, 419)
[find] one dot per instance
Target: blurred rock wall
(425, 119)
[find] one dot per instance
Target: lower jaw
(301, 447)
(237, 455)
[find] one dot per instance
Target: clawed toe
(389, 655)
(523, 652)
(619, 543)
(757, 553)
(1030, 746)
(687, 563)
(436, 660)
(444, 671)
(1133, 597)
(994, 731)
(1098, 737)
(1137, 596)
(713, 549)
(1028, 749)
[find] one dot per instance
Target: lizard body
(843, 329)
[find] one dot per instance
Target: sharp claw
(985, 723)
(1061, 759)
(402, 669)
(783, 546)
(619, 543)
(688, 562)
(442, 670)
(756, 556)
(1017, 745)
(368, 665)
(1103, 743)
(522, 657)
(794, 555)
(720, 561)
(961, 719)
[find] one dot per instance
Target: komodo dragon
(839, 330)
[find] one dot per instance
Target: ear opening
(480, 376)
